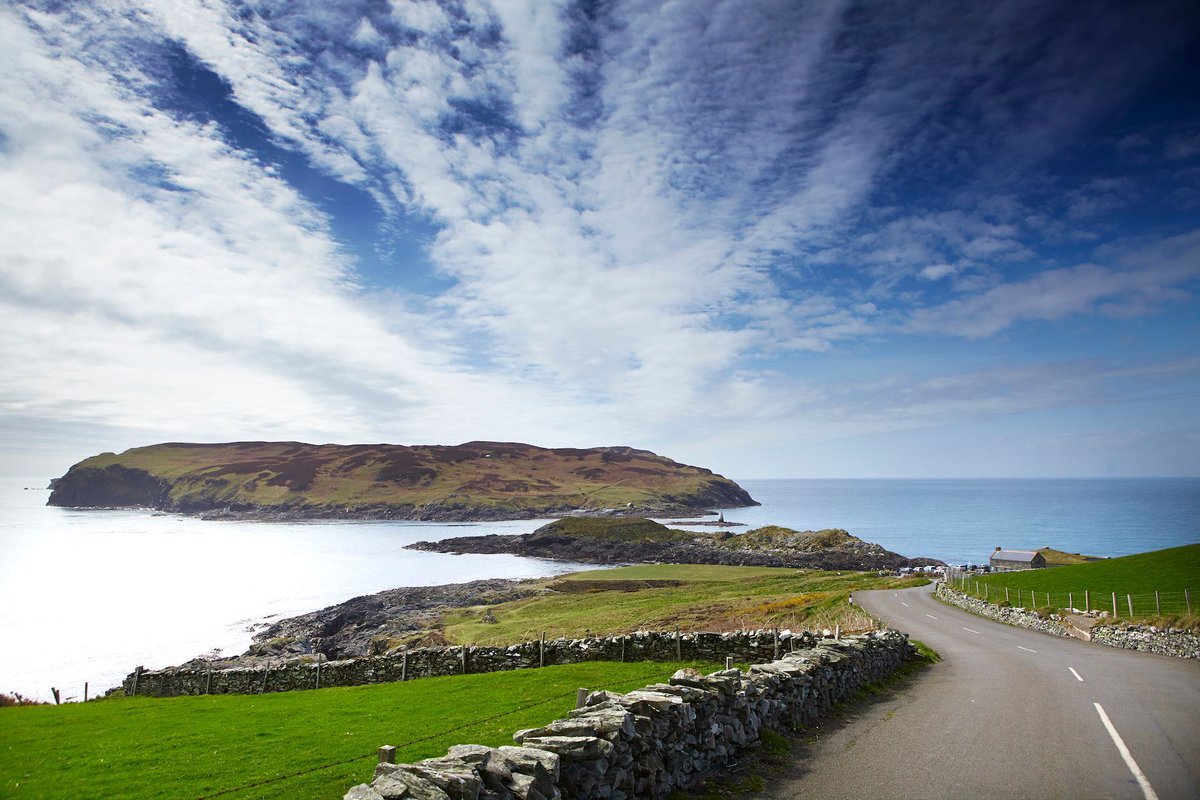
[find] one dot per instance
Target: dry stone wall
(647, 743)
(1012, 616)
(1147, 638)
(744, 646)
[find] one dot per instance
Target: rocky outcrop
(650, 742)
(575, 540)
(472, 481)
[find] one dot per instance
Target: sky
(777, 239)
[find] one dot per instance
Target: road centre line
(931, 616)
(1140, 776)
(968, 630)
(1076, 674)
(1026, 649)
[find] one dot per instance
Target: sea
(87, 595)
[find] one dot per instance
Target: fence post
(85, 688)
(1129, 598)
(1019, 597)
(728, 662)
(1114, 594)
(542, 650)
(1071, 601)
(208, 677)
(266, 672)
(1157, 604)
(580, 697)
(837, 633)
(1087, 599)
(1187, 597)
(387, 754)
(464, 659)
(985, 591)
(137, 673)
(1006, 594)
(679, 646)
(404, 664)
(622, 648)
(777, 644)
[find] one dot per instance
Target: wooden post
(404, 664)
(679, 646)
(137, 674)
(837, 633)
(1129, 598)
(1087, 599)
(464, 659)
(1157, 604)
(318, 685)
(1006, 594)
(208, 677)
(542, 650)
(622, 648)
(985, 591)
(54, 692)
(85, 688)
(777, 644)
(1018, 596)
(387, 754)
(1114, 594)
(728, 662)
(266, 672)
(580, 696)
(1071, 601)
(1187, 598)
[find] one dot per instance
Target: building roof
(1026, 556)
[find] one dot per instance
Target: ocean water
(89, 595)
(962, 521)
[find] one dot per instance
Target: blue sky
(778, 239)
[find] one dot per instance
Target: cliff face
(473, 481)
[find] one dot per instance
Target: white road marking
(1129, 762)
(904, 604)
(1078, 677)
(1026, 649)
(931, 616)
(968, 630)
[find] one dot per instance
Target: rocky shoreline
(764, 547)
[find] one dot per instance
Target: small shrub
(774, 743)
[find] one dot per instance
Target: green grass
(709, 598)
(1059, 558)
(191, 747)
(1169, 572)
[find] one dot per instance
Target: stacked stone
(747, 646)
(1150, 639)
(1011, 616)
(653, 741)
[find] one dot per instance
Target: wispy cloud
(641, 209)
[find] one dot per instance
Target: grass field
(1168, 572)
(194, 747)
(667, 596)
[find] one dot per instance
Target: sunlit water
(88, 595)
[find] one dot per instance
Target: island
(630, 540)
(466, 482)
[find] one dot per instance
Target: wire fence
(631, 684)
(1175, 603)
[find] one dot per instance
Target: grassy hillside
(480, 478)
(192, 747)
(1168, 572)
(666, 596)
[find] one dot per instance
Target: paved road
(1010, 713)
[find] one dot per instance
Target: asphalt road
(1009, 713)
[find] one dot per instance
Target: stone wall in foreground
(649, 742)
(744, 646)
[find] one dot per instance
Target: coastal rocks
(667, 736)
(766, 547)
(208, 678)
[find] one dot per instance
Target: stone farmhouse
(1016, 559)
